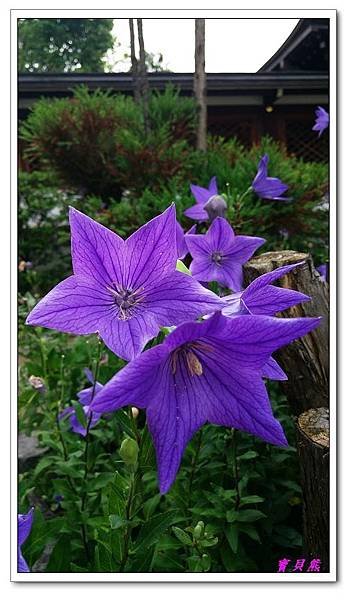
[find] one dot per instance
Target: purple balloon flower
(85, 397)
(204, 372)
(322, 120)
(24, 527)
(182, 249)
(125, 290)
(219, 254)
(201, 195)
(268, 188)
(323, 271)
(261, 298)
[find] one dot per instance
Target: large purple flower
(201, 195)
(24, 527)
(262, 298)
(322, 120)
(123, 290)
(268, 188)
(85, 397)
(219, 254)
(203, 372)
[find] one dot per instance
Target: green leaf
(103, 559)
(232, 535)
(250, 515)
(182, 536)
(180, 266)
(249, 455)
(152, 530)
(250, 531)
(80, 414)
(59, 561)
(251, 500)
(99, 482)
(117, 522)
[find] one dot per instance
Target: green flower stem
(242, 196)
(236, 468)
(193, 468)
(128, 516)
(86, 452)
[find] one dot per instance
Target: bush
(97, 142)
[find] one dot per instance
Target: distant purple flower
(203, 372)
(24, 527)
(323, 271)
(268, 188)
(123, 290)
(85, 397)
(219, 254)
(182, 249)
(201, 195)
(261, 298)
(322, 120)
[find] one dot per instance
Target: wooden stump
(312, 429)
(306, 361)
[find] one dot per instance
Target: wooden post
(306, 361)
(134, 63)
(143, 79)
(200, 83)
(312, 429)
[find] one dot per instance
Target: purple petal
(212, 186)
(127, 337)
(25, 522)
(270, 300)
(201, 194)
(151, 250)
(134, 384)
(22, 566)
(270, 188)
(179, 298)
(272, 370)
(77, 427)
(264, 280)
(97, 252)
(172, 423)
(196, 212)
(76, 305)
(182, 249)
(262, 171)
(85, 396)
(244, 247)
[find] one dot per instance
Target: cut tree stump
(306, 361)
(312, 430)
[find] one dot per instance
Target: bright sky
(232, 45)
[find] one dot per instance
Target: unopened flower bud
(135, 412)
(129, 451)
(197, 532)
(37, 383)
(215, 207)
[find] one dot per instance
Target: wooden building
(279, 100)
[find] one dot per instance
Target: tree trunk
(143, 79)
(134, 63)
(200, 83)
(312, 429)
(306, 361)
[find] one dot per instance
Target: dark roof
(217, 83)
(306, 48)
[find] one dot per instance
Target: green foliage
(63, 45)
(97, 142)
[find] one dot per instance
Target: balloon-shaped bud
(129, 451)
(215, 207)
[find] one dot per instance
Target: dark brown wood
(200, 84)
(134, 62)
(313, 450)
(306, 361)
(142, 74)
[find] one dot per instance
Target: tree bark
(312, 430)
(200, 83)
(143, 79)
(306, 361)
(134, 63)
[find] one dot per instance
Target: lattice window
(304, 143)
(240, 128)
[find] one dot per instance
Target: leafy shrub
(97, 142)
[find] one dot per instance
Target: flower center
(126, 300)
(217, 258)
(186, 357)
